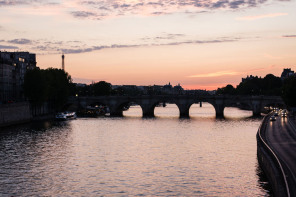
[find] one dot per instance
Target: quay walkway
(280, 137)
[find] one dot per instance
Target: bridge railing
(273, 169)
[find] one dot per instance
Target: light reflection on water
(134, 156)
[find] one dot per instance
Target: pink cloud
(216, 74)
(271, 15)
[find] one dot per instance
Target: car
(272, 118)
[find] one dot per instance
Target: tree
(250, 87)
(50, 85)
(58, 86)
(289, 91)
(271, 85)
(35, 86)
(229, 89)
(101, 88)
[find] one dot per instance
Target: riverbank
(22, 112)
(14, 113)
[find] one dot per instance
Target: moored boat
(65, 115)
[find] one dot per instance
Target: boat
(94, 111)
(65, 115)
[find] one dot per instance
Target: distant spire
(63, 61)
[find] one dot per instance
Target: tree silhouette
(101, 88)
(229, 89)
(289, 91)
(35, 86)
(50, 85)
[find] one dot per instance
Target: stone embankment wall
(43, 112)
(269, 163)
(15, 113)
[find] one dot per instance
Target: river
(135, 156)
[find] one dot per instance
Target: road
(281, 137)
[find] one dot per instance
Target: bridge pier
(148, 110)
(219, 106)
(115, 109)
(184, 104)
(184, 110)
(256, 107)
(219, 110)
(116, 113)
(148, 113)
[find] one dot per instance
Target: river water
(134, 156)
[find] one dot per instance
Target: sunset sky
(201, 44)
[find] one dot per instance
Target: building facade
(13, 67)
(287, 72)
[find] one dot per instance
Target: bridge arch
(117, 108)
(274, 104)
(134, 110)
(168, 110)
(203, 109)
(219, 106)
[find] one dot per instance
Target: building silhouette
(287, 72)
(13, 67)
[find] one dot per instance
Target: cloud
(115, 8)
(231, 73)
(159, 13)
(8, 47)
(120, 46)
(102, 9)
(215, 74)
(20, 2)
(96, 48)
(289, 36)
(71, 51)
(84, 14)
(20, 41)
(237, 4)
(164, 36)
(220, 4)
(200, 42)
(10, 2)
(76, 46)
(272, 15)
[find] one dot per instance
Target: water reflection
(130, 156)
(29, 154)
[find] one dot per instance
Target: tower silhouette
(63, 61)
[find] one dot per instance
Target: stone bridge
(184, 102)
